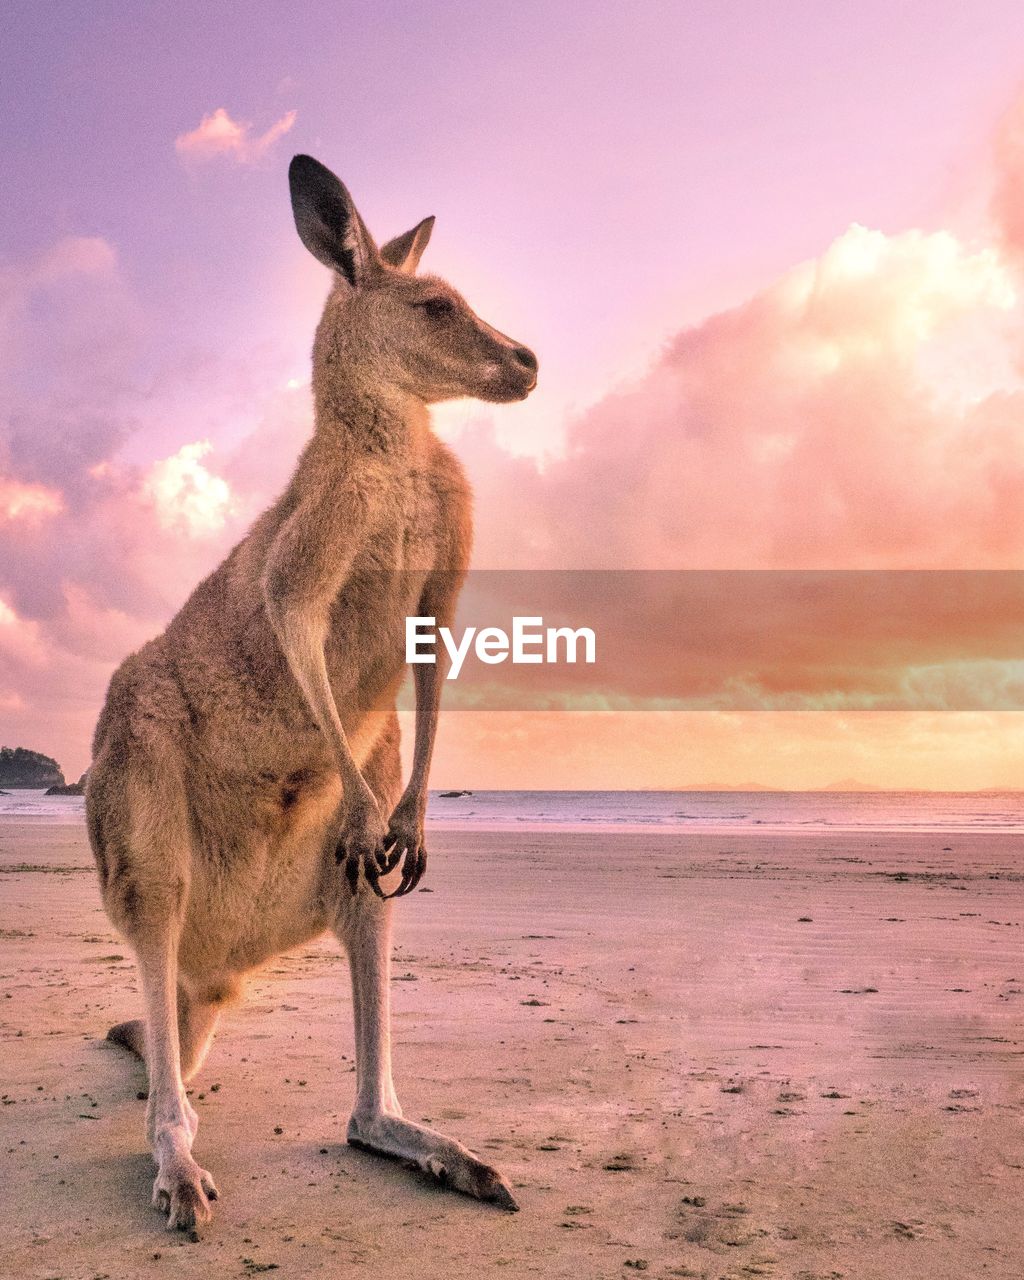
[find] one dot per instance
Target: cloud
(97, 551)
(28, 502)
(755, 641)
(70, 330)
(57, 273)
(219, 136)
(1008, 191)
(185, 494)
(69, 256)
(861, 412)
(20, 640)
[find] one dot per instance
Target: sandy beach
(702, 1055)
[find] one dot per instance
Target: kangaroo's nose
(526, 358)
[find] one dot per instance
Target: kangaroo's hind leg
(377, 1124)
(198, 1014)
(182, 1189)
(142, 844)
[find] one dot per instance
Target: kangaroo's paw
(184, 1191)
(446, 1160)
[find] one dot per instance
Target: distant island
(843, 787)
(21, 768)
(25, 770)
(68, 788)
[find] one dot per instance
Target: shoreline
(892, 814)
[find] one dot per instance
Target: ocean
(673, 811)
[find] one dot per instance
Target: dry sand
(680, 1073)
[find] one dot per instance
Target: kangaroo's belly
(269, 885)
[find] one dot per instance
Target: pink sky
(772, 270)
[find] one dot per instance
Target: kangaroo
(245, 793)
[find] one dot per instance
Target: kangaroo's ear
(328, 222)
(405, 251)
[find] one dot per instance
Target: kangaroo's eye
(437, 308)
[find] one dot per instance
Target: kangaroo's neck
(354, 410)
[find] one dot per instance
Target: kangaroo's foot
(443, 1158)
(132, 1035)
(183, 1190)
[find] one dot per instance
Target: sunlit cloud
(186, 495)
(839, 418)
(20, 638)
(28, 502)
(219, 136)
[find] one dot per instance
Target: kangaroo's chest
(419, 526)
(410, 534)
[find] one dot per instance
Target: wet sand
(705, 1055)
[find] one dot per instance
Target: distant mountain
(727, 786)
(844, 784)
(20, 767)
(849, 784)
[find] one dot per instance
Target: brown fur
(253, 745)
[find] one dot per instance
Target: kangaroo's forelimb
(405, 837)
(318, 537)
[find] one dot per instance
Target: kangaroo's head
(399, 331)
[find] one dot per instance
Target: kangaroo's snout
(518, 375)
(525, 365)
(513, 371)
(528, 362)
(527, 359)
